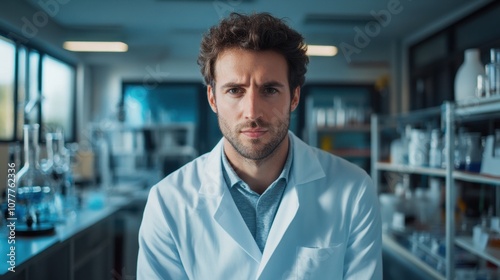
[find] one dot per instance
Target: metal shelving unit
(489, 254)
(393, 245)
(346, 128)
(410, 169)
(451, 116)
(438, 172)
(476, 178)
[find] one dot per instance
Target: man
(262, 204)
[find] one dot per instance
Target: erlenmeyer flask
(35, 209)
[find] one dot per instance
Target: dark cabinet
(83, 256)
(434, 61)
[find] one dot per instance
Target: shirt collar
(232, 179)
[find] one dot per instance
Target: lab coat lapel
(225, 211)
(305, 168)
(229, 218)
(284, 216)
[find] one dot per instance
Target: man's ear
(295, 99)
(211, 98)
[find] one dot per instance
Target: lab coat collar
(305, 168)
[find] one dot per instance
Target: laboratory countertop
(26, 248)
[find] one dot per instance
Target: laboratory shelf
(450, 117)
(476, 178)
(478, 106)
(410, 169)
(346, 128)
(411, 117)
(490, 254)
(391, 244)
(457, 175)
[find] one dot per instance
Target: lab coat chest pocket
(319, 262)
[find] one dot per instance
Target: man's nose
(253, 104)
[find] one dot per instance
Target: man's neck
(258, 174)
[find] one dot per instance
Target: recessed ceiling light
(93, 46)
(318, 50)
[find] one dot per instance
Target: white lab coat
(327, 225)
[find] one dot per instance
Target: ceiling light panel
(321, 50)
(95, 46)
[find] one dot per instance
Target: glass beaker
(473, 152)
(482, 89)
(460, 150)
(59, 168)
(435, 153)
(493, 73)
(58, 159)
(35, 196)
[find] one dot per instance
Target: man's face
(252, 100)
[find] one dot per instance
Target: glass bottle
(340, 117)
(34, 192)
(406, 142)
(58, 167)
(460, 149)
(102, 149)
(493, 72)
(482, 89)
(418, 148)
(466, 77)
(397, 151)
(399, 147)
(473, 152)
(405, 204)
(435, 153)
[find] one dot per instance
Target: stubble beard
(257, 151)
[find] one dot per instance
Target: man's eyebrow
(231, 85)
(273, 84)
(266, 84)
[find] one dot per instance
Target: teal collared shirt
(258, 211)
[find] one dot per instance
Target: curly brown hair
(258, 32)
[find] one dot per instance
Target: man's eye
(270, 90)
(234, 91)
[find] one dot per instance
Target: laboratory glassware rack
(452, 116)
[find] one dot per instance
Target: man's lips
(254, 133)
